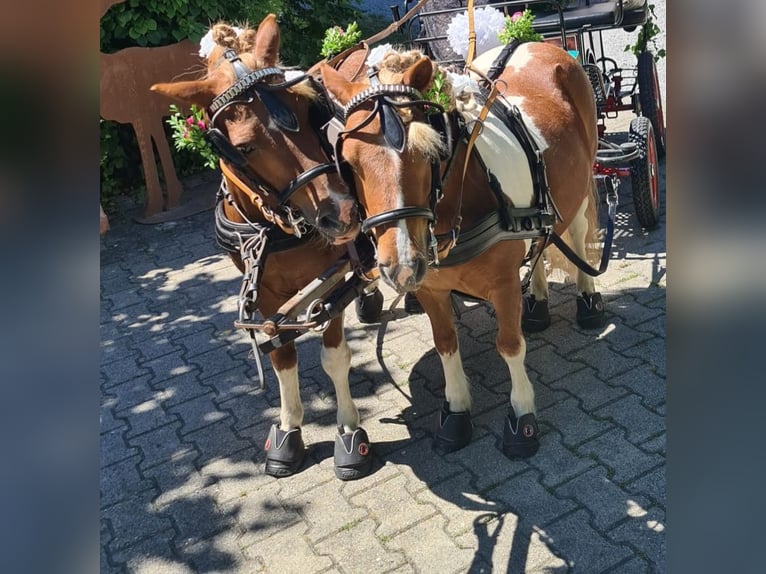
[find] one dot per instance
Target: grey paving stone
(216, 361)
(160, 445)
(583, 548)
(356, 550)
(113, 447)
(180, 389)
(146, 417)
(591, 391)
(652, 485)
(153, 554)
(161, 345)
(218, 553)
(392, 507)
(656, 326)
(620, 456)
(287, 551)
(108, 422)
(327, 511)
(631, 311)
(652, 352)
(115, 346)
(550, 365)
(530, 501)
(429, 549)
(134, 520)
(414, 461)
(607, 362)
(656, 444)
(125, 369)
(231, 384)
(646, 533)
(121, 481)
(557, 462)
(619, 336)
(197, 517)
(606, 502)
(639, 422)
(198, 413)
(218, 440)
(575, 425)
(486, 462)
(168, 366)
(130, 393)
(644, 381)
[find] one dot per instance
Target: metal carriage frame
(579, 25)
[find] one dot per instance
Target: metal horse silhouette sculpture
(443, 223)
(125, 79)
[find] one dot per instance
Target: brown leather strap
(393, 27)
(268, 213)
(471, 36)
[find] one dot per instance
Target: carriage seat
(595, 14)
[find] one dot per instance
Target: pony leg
(284, 446)
(455, 427)
(520, 433)
(590, 306)
(336, 361)
(536, 316)
(353, 455)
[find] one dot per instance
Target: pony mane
(421, 136)
(242, 40)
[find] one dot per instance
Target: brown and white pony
(419, 194)
(274, 180)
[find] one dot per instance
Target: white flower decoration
(206, 44)
(375, 56)
(488, 23)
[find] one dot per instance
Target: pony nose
(338, 221)
(407, 277)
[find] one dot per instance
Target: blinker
(392, 127)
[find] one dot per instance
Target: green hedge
(161, 22)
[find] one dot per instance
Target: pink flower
(516, 16)
(201, 125)
(190, 120)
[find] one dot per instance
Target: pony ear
(267, 42)
(338, 86)
(198, 92)
(419, 75)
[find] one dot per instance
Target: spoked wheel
(650, 99)
(644, 173)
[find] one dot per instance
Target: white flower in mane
(206, 44)
(488, 23)
(376, 54)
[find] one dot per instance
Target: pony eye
(245, 148)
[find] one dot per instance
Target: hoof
(535, 316)
(353, 454)
(284, 452)
(520, 436)
(369, 306)
(590, 311)
(412, 305)
(454, 432)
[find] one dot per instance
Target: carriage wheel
(650, 99)
(644, 173)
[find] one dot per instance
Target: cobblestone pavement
(183, 421)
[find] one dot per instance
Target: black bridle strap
(395, 215)
(303, 179)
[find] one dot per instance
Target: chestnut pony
(430, 192)
(280, 191)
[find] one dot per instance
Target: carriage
(580, 25)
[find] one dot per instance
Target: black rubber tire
(650, 98)
(644, 173)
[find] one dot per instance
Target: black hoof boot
(353, 455)
(590, 311)
(454, 432)
(284, 451)
(412, 305)
(369, 306)
(535, 317)
(520, 436)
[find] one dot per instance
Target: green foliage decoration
(519, 27)
(336, 39)
(647, 34)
